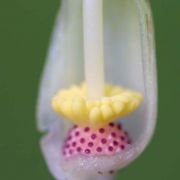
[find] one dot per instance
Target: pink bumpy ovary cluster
(103, 141)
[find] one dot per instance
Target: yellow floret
(94, 117)
(73, 104)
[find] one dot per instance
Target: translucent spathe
(129, 61)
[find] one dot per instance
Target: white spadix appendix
(97, 99)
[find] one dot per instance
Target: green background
(25, 28)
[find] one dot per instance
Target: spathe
(129, 61)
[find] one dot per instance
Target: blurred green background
(25, 29)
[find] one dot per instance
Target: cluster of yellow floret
(73, 104)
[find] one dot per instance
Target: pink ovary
(104, 141)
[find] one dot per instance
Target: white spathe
(129, 61)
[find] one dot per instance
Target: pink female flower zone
(98, 95)
(104, 141)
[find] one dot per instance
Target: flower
(130, 61)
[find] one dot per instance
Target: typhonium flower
(99, 146)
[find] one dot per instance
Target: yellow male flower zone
(74, 105)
